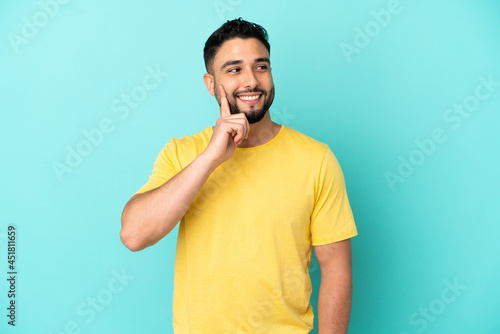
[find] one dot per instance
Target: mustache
(256, 90)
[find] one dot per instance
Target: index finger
(224, 104)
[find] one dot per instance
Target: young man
(252, 197)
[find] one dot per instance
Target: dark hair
(237, 28)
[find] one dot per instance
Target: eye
(234, 70)
(262, 67)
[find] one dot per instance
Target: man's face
(242, 67)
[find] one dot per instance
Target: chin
(255, 117)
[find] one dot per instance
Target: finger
(237, 131)
(224, 104)
(247, 127)
(241, 118)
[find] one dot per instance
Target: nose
(250, 80)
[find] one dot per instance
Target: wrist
(208, 160)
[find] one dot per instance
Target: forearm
(149, 217)
(334, 303)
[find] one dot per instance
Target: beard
(253, 115)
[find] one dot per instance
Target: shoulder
(186, 148)
(304, 143)
(313, 155)
(201, 138)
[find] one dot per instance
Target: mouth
(250, 98)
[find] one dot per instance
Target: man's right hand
(150, 216)
(229, 132)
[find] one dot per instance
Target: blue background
(436, 226)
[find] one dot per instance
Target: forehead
(246, 50)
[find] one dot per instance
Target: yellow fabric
(244, 245)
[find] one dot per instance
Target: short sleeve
(332, 219)
(163, 169)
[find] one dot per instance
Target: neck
(261, 132)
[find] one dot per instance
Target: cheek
(270, 78)
(231, 87)
(266, 81)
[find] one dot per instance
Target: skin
(150, 216)
(250, 74)
(335, 291)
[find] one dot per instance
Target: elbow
(128, 237)
(130, 242)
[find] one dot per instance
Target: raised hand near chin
(229, 132)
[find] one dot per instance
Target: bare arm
(150, 216)
(335, 292)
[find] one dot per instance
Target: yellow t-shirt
(244, 245)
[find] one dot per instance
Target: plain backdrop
(406, 93)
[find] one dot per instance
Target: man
(252, 197)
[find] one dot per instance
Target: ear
(209, 82)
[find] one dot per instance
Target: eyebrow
(239, 61)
